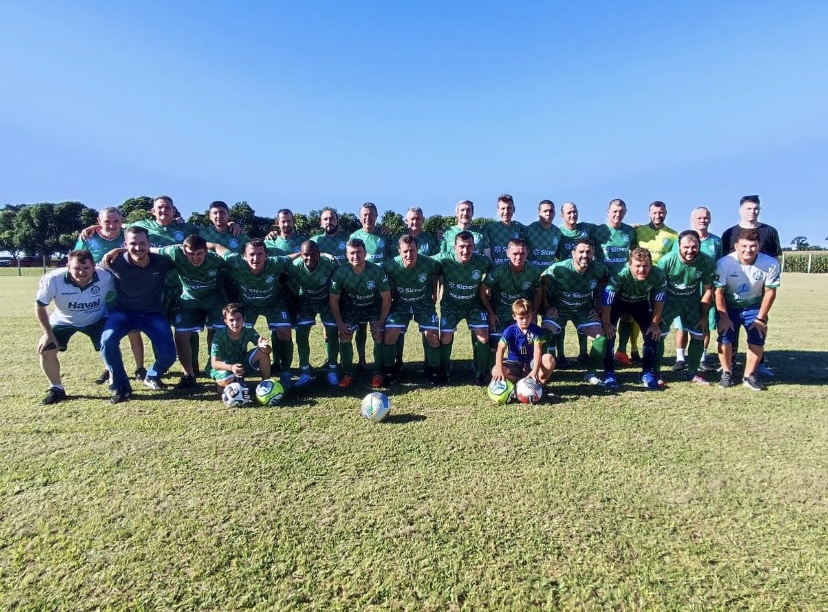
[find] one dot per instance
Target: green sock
(398, 353)
(695, 350)
(558, 340)
(361, 339)
(596, 353)
(624, 331)
(445, 357)
(346, 352)
(389, 355)
(285, 354)
(194, 348)
(432, 355)
(582, 344)
(659, 355)
(332, 346)
(482, 355)
(303, 345)
(378, 360)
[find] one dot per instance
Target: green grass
(684, 499)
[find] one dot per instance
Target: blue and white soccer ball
(375, 407)
(529, 391)
(235, 395)
(269, 392)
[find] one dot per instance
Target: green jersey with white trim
(461, 281)
(507, 286)
(542, 244)
(166, 235)
(411, 286)
(232, 351)
(260, 290)
(377, 249)
(284, 246)
(685, 280)
(570, 237)
(499, 234)
(426, 243)
(447, 244)
(225, 238)
(333, 244)
(202, 282)
(99, 246)
(313, 285)
(360, 290)
(571, 291)
(628, 288)
(612, 245)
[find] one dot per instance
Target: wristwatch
(765, 320)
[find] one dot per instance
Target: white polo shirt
(745, 284)
(74, 305)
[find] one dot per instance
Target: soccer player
(333, 238)
(139, 284)
(79, 292)
(514, 280)
(426, 243)
(464, 211)
(572, 292)
(543, 237)
(689, 276)
(230, 358)
(637, 290)
(413, 281)
(311, 274)
(499, 233)
(288, 241)
(746, 282)
(520, 349)
(221, 230)
(462, 272)
(360, 293)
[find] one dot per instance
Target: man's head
(414, 219)
(407, 247)
(368, 216)
(329, 220)
(583, 254)
(233, 315)
(219, 215)
(309, 252)
(111, 221)
(641, 262)
(255, 254)
(658, 213)
(505, 208)
(464, 210)
(464, 246)
(195, 249)
(615, 212)
(136, 242)
(569, 215)
(80, 266)
(749, 209)
(285, 222)
(747, 246)
(522, 313)
(163, 210)
(688, 245)
(516, 253)
(546, 212)
(700, 220)
(355, 253)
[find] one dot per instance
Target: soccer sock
(558, 340)
(346, 352)
(398, 352)
(361, 340)
(332, 347)
(635, 334)
(285, 354)
(445, 357)
(194, 348)
(679, 354)
(482, 355)
(378, 359)
(582, 344)
(659, 354)
(389, 355)
(624, 331)
(596, 353)
(432, 355)
(694, 353)
(303, 345)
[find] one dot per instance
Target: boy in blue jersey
(520, 351)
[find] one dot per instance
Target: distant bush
(798, 262)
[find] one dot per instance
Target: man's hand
(759, 326)
(497, 373)
(609, 331)
(237, 369)
(552, 312)
(47, 342)
(235, 228)
(109, 258)
(654, 331)
(88, 232)
(725, 324)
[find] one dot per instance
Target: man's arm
(725, 323)
(109, 257)
(500, 351)
(333, 302)
(483, 292)
(760, 323)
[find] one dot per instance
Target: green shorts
(354, 316)
(475, 315)
(193, 319)
(683, 314)
(64, 332)
(277, 316)
(249, 367)
(306, 315)
(424, 313)
(580, 320)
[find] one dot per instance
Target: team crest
(592, 284)
(476, 275)
(422, 278)
(380, 243)
(233, 244)
(666, 242)
(95, 290)
(370, 285)
(626, 238)
(526, 286)
(213, 272)
(757, 275)
(341, 246)
(179, 236)
(269, 279)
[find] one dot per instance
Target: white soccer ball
(529, 391)
(269, 392)
(375, 407)
(235, 395)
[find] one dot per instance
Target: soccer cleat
(120, 395)
(635, 357)
(753, 383)
(54, 396)
(360, 366)
(104, 377)
(583, 359)
(140, 374)
(186, 382)
(622, 358)
(376, 381)
(481, 381)
(346, 381)
(562, 363)
(154, 383)
(438, 379)
(650, 382)
(304, 379)
(610, 382)
(592, 379)
(704, 366)
(726, 380)
(333, 378)
(679, 365)
(286, 380)
(698, 380)
(763, 370)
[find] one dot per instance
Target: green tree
(393, 221)
(200, 219)
(800, 242)
(137, 209)
(46, 229)
(349, 222)
(8, 220)
(438, 223)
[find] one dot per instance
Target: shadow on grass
(401, 419)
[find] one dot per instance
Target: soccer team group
(515, 286)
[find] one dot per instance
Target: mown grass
(684, 499)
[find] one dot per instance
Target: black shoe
(140, 374)
(481, 381)
(186, 382)
(437, 379)
(154, 383)
(120, 395)
(751, 382)
(562, 363)
(635, 357)
(679, 365)
(389, 380)
(727, 380)
(583, 359)
(54, 396)
(360, 366)
(102, 378)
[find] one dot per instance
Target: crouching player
(229, 356)
(638, 290)
(521, 348)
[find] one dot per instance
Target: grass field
(686, 499)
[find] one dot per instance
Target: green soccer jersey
(623, 285)
(202, 282)
(314, 285)
(685, 280)
(284, 246)
(659, 241)
(570, 237)
(99, 246)
(480, 240)
(543, 244)
(571, 291)
(498, 234)
(461, 281)
(225, 238)
(410, 286)
(360, 290)
(612, 245)
(232, 351)
(710, 246)
(426, 243)
(377, 247)
(166, 235)
(333, 244)
(507, 286)
(257, 290)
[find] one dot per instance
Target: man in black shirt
(749, 218)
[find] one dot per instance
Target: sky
(311, 103)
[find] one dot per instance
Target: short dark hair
(194, 242)
(505, 197)
(406, 239)
(550, 202)
(81, 255)
(309, 244)
(284, 211)
(585, 241)
(165, 198)
(464, 236)
(657, 204)
(748, 233)
(753, 199)
(255, 243)
(689, 232)
(136, 229)
(218, 204)
(356, 243)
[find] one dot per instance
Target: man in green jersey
(311, 275)
(689, 276)
(462, 272)
(572, 290)
(499, 233)
(288, 241)
(464, 211)
(572, 231)
(413, 281)
(360, 293)
(517, 279)
(637, 290)
(333, 238)
(543, 237)
(426, 243)
(221, 230)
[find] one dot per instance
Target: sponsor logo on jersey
(757, 275)
(526, 285)
(84, 305)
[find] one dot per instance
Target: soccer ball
(501, 391)
(375, 407)
(529, 391)
(235, 395)
(269, 392)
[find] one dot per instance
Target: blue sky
(307, 104)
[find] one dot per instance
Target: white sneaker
(592, 379)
